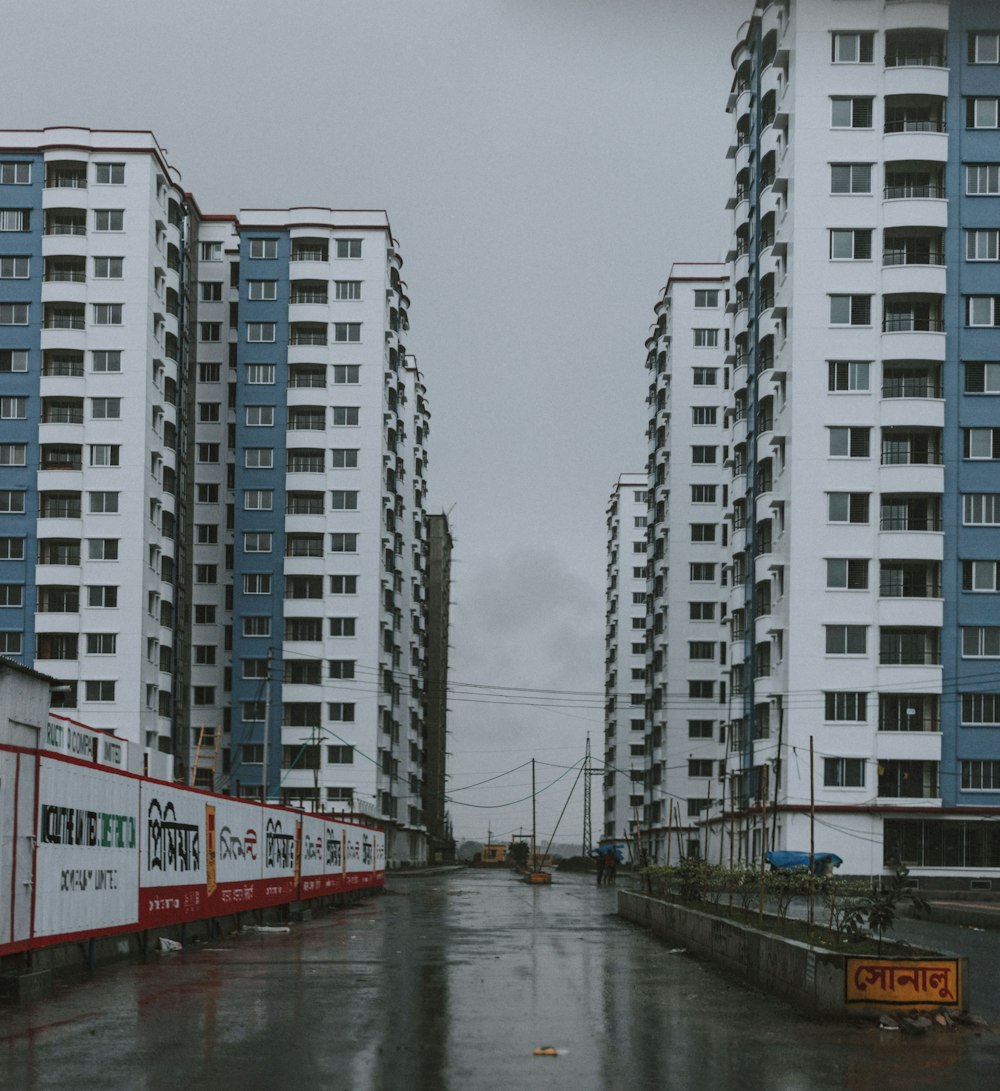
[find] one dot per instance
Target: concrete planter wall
(809, 977)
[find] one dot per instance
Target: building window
(106, 361)
(340, 755)
(209, 331)
(850, 177)
(706, 339)
(843, 772)
(349, 248)
(257, 541)
(344, 458)
(209, 373)
(981, 575)
(706, 298)
(982, 310)
(13, 361)
(700, 572)
(260, 416)
(208, 452)
(345, 416)
(981, 443)
(15, 174)
(203, 696)
(105, 454)
(15, 268)
(11, 594)
(102, 597)
(348, 289)
(109, 174)
(982, 179)
(106, 408)
(341, 712)
(261, 331)
(980, 776)
(981, 509)
(850, 244)
(846, 639)
(981, 709)
(981, 113)
(984, 47)
(258, 458)
(257, 583)
(103, 503)
(846, 707)
(701, 729)
(14, 314)
(253, 626)
(346, 332)
(703, 455)
(849, 442)
(102, 643)
(703, 414)
(262, 289)
(211, 291)
(981, 642)
(343, 585)
(206, 573)
(981, 244)
(207, 493)
(15, 219)
(99, 691)
(210, 251)
(701, 767)
(848, 375)
(847, 573)
(109, 219)
(853, 47)
(13, 454)
(982, 378)
(258, 499)
(102, 549)
(346, 374)
(264, 249)
(702, 532)
(107, 314)
(342, 626)
(701, 691)
(848, 507)
(705, 376)
(11, 549)
(850, 310)
(204, 614)
(851, 113)
(343, 543)
(109, 268)
(260, 374)
(11, 501)
(703, 494)
(701, 649)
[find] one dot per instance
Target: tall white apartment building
(213, 478)
(686, 699)
(93, 368)
(865, 408)
(625, 656)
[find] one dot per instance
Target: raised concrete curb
(812, 978)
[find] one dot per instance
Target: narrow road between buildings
(451, 981)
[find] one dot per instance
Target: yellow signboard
(911, 982)
(210, 849)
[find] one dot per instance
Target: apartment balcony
(913, 271)
(908, 14)
(908, 780)
(916, 411)
(913, 326)
(909, 646)
(56, 199)
(921, 76)
(895, 747)
(913, 612)
(61, 365)
(909, 713)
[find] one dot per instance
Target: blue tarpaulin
(786, 861)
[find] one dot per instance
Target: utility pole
(587, 830)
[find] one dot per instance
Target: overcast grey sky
(543, 162)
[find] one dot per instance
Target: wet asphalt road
(449, 982)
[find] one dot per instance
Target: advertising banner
(233, 839)
(172, 873)
(282, 852)
(86, 868)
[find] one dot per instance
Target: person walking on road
(610, 865)
(600, 868)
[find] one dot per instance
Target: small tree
(519, 851)
(784, 885)
(880, 901)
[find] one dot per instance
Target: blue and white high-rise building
(213, 459)
(865, 446)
